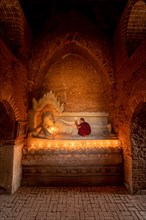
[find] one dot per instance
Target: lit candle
(52, 130)
(101, 143)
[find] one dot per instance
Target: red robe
(84, 129)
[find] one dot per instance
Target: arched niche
(138, 144)
(77, 83)
(7, 121)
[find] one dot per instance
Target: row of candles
(77, 144)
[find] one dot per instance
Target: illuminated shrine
(60, 156)
(73, 93)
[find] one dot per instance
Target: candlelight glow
(52, 130)
(75, 144)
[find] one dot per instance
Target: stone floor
(72, 203)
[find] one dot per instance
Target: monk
(84, 128)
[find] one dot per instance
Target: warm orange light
(35, 143)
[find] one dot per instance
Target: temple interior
(61, 61)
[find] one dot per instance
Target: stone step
(39, 179)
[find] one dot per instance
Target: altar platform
(73, 162)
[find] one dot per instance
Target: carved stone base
(73, 176)
(73, 162)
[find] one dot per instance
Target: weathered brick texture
(13, 82)
(76, 83)
(131, 90)
(15, 30)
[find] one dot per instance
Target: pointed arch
(13, 105)
(65, 37)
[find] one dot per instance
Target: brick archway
(138, 147)
(125, 136)
(47, 47)
(7, 121)
(9, 115)
(13, 105)
(39, 69)
(76, 50)
(11, 146)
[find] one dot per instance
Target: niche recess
(138, 143)
(7, 121)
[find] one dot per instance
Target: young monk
(84, 128)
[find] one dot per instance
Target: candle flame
(75, 144)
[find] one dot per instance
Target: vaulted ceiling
(103, 13)
(22, 19)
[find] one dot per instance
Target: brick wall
(15, 30)
(130, 91)
(76, 83)
(13, 82)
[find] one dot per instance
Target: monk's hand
(76, 123)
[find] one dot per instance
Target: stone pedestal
(73, 162)
(10, 165)
(17, 167)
